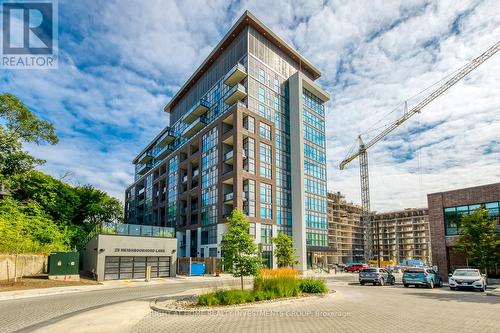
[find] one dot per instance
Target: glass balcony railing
(135, 230)
(228, 157)
(228, 197)
(196, 173)
(235, 75)
(145, 157)
(236, 93)
(195, 127)
(162, 152)
(143, 168)
(199, 109)
(165, 138)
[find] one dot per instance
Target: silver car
(467, 279)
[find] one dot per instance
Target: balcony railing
(195, 127)
(199, 109)
(228, 157)
(166, 138)
(235, 75)
(135, 230)
(145, 157)
(228, 197)
(236, 93)
(162, 152)
(196, 172)
(143, 168)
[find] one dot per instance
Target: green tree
(239, 252)
(20, 125)
(285, 253)
(478, 240)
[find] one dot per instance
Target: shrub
(312, 286)
(226, 297)
(281, 282)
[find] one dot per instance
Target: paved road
(352, 308)
(29, 314)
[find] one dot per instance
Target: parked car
(467, 279)
(355, 267)
(421, 276)
(376, 276)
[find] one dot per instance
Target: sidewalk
(104, 285)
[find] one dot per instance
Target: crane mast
(362, 151)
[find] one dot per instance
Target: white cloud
(121, 62)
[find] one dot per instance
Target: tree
(285, 253)
(478, 240)
(239, 252)
(20, 124)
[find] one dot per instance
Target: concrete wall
(95, 252)
(27, 264)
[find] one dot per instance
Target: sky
(121, 61)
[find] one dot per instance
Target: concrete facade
(402, 234)
(443, 254)
(27, 264)
(345, 230)
(94, 253)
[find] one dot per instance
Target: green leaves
(478, 239)
(238, 248)
(285, 253)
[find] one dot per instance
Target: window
(453, 215)
(249, 123)
(262, 95)
(266, 211)
(262, 75)
(265, 131)
(265, 160)
(266, 234)
(249, 197)
(249, 158)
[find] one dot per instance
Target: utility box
(64, 266)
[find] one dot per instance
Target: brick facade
(443, 254)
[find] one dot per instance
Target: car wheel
(431, 285)
(393, 281)
(453, 288)
(362, 283)
(406, 285)
(381, 282)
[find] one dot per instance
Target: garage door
(117, 268)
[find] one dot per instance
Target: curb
(219, 310)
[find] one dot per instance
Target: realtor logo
(29, 34)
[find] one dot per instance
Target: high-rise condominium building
(402, 234)
(247, 131)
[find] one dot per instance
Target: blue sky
(121, 61)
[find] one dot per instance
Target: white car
(467, 279)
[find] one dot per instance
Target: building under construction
(345, 230)
(402, 234)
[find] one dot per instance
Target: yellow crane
(363, 147)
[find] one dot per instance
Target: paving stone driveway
(352, 308)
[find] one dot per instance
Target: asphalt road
(28, 314)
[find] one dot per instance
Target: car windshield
(466, 273)
(414, 270)
(369, 270)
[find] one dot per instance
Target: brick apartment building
(247, 131)
(445, 210)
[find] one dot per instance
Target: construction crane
(363, 148)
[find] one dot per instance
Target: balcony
(110, 228)
(145, 158)
(143, 168)
(235, 75)
(236, 93)
(196, 173)
(163, 152)
(199, 109)
(166, 138)
(195, 127)
(184, 179)
(228, 198)
(228, 157)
